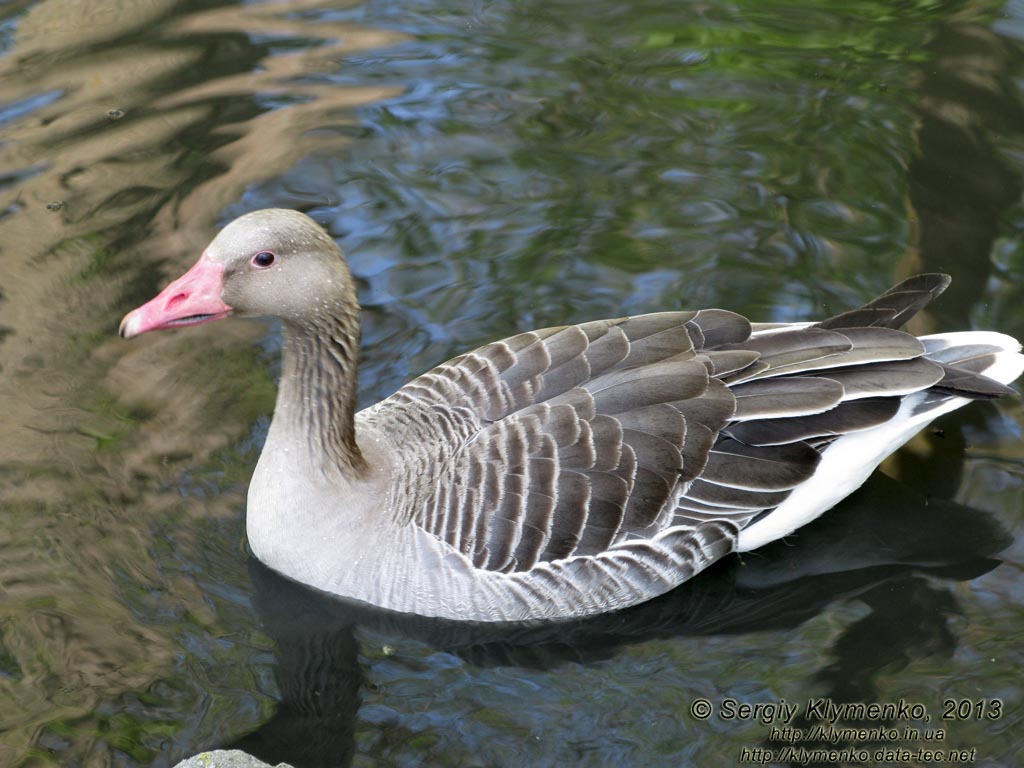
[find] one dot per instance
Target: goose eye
(263, 259)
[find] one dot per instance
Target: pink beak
(192, 299)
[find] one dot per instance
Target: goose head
(271, 262)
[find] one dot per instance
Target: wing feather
(894, 307)
(755, 468)
(610, 460)
(850, 416)
(719, 327)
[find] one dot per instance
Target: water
(489, 168)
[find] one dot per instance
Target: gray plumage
(567, 471)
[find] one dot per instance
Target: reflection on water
(489, 168)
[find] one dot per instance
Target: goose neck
(316, 400)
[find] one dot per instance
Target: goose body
(568, 471)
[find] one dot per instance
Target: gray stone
(226, 758)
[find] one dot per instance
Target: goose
(570, 471)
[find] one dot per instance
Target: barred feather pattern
(584, 468)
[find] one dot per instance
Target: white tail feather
(846, 464)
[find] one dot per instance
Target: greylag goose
(568, 471)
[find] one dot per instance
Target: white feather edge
(846, 464)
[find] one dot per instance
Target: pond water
(490, 167)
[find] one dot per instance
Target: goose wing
(631, 452)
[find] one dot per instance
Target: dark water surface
(489, 167)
